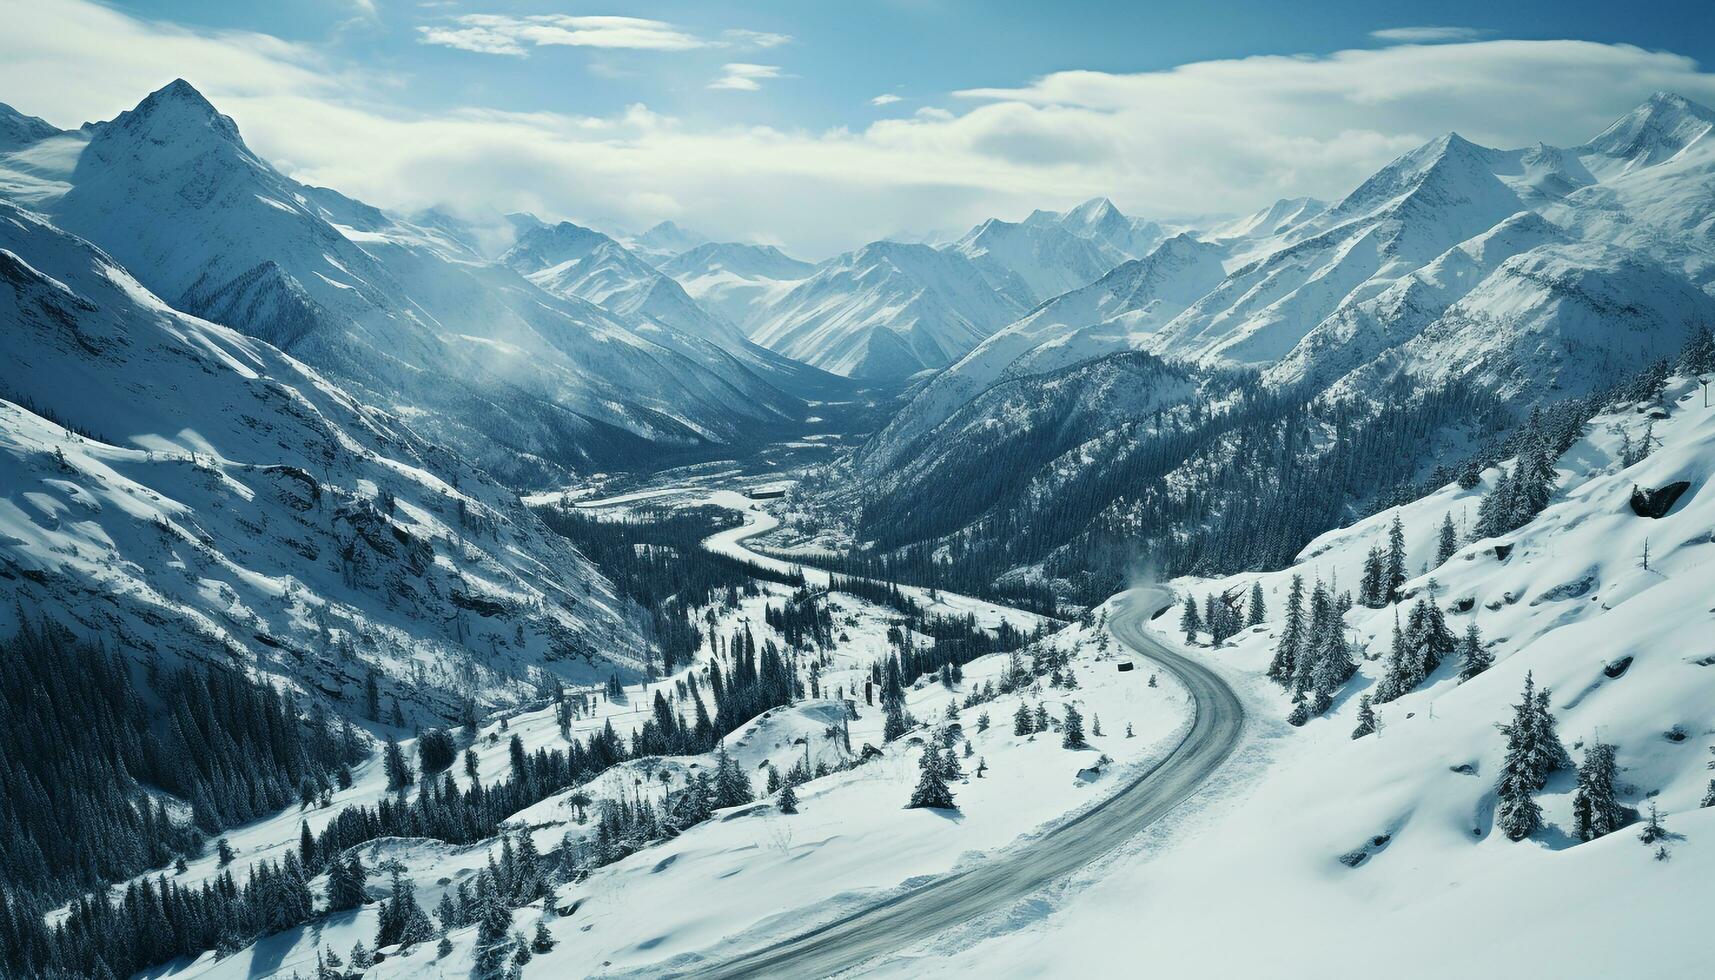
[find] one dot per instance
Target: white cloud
(755, 39)
(886, 98)
(514, 35)
(1427, 34)
(1210, 136)
(741, 76)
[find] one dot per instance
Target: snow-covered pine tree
(893, 718)
(1474, 658)
(543, 940)
(1551, 755)
(732, 786)
(1372, 587)
(788, 800)
(1395, 679)
(1280, 668)
(1190, 623)
(1073, 733)
(1448, 540)
(1395, 557)
(1518, 814)
(932, 791)
(1595, 810)
(1366, 718)
(1021, 720)
(1653, 830)
(1255, 613)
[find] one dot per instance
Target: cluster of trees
(1523, 491)
(155, 920)
(1417, 650)
(1312, 658)
(941, 565)
(1223, 615)
(656, 558)
(802, 621)
(83, 739)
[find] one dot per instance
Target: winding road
(923, 912)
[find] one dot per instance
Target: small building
(1125, 665)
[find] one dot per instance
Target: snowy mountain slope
(1517, 273)
(664, 241)
(1408, 213)
(736, 280)
(1621, 648)
(1042, 425)
(1099, 221)
(1558, 318)
(1031, 263)
(1109, 315)
(571, 261)
(530, 385)
(18, 130)
(1276, 219)
(1359, 333)
(199, 494)
(1665, 126)
(886, 311)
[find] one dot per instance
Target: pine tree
(1021, 720)
(1372, 585)
(1595, 810)
(1518, 815)
(1190, 622)
(1255, 610)
(1474, 658)
(893, 724)
(732, 786)
(543, 941)
(1073, 736)
(1653, 830)
(1448, 542)
(1551, 755)
(788, 800)
(1366, 718)
(932, 790)
(494, 926)
(1291, 634)
(346, 881)
(399, 773)
(1395, 558)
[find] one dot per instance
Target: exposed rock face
(1657, 502)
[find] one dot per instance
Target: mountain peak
(1659, 128)
(1093, 211)
(174, 112)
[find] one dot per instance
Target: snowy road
(920, 914)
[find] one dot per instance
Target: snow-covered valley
(480, 587)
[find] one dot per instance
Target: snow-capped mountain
(886, 311)
(18, 130)
(1517, 277)
(736, 280)
(1031, 263)
(663, 241)
(568, 260)
(532, 385)
(1115, 313)
(1099, 221)
(182, 489)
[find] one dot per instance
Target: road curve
(951, 900)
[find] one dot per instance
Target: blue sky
(819, 125)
